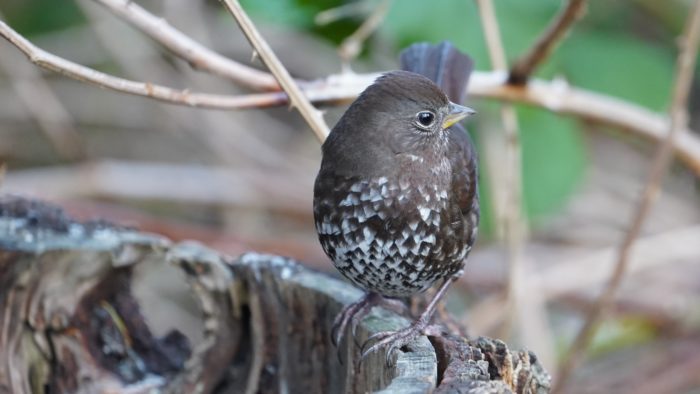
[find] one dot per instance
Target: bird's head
(401, 112)
(414, 103)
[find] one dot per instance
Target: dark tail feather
(443, 64)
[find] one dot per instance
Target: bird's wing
(465, 175)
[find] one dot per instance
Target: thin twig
(313, 117)
(343, 11)
(492, 34)
(662, 160)
(555, 96)
(225, 143)
(233, 145)
(352, 45)
(560, 98)
(524, 66)
(197, 55)
(508, 190)
(85, 74)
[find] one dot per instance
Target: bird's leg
(355, 312)
(398, 339)
(397, 306)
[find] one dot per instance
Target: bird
(396, 204)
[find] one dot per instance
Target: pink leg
(398, 339)
(355, 312)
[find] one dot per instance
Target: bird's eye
(425, 119)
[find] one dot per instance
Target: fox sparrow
(395, 201)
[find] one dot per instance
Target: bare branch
(354, 8)
(558, 97)
(507, 192)
(662, 160)
(555, 96)
(199, 56)
(332, 89)
(84, 74)
(312, 116)
(492, 34)
(227, 144)
(523, 67)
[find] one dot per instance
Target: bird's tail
(443, 64)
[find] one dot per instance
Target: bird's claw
(338, 328)
(353, 315)
(394, 339)
(396, 306)
(398, 339)
(354, 336)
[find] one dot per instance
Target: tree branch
(312, 116)
(662, 159)
(511, 223)
(85, 74)
(523, 67)
(560, 98)
(507, 185)
(554, 96)
(492, 35)
(197, 55)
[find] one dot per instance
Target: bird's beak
(457, 113)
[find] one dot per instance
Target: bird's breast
(388, 234)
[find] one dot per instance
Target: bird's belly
(390, 239)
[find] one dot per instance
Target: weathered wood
(94, 308)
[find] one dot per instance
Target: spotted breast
(392, 236)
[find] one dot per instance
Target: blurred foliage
(597, 56)
(300, 14)
(621, 333)
(553, 160)
(40, 16)
(606, 53)
(624, 67)
(613, 334)
(621, 48)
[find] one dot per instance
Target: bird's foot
(355, 312)
(395, 340)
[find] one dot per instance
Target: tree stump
(96, 308)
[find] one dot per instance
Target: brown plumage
(395, 201)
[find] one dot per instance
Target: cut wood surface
(96, 308)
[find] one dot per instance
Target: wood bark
(96, 308)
